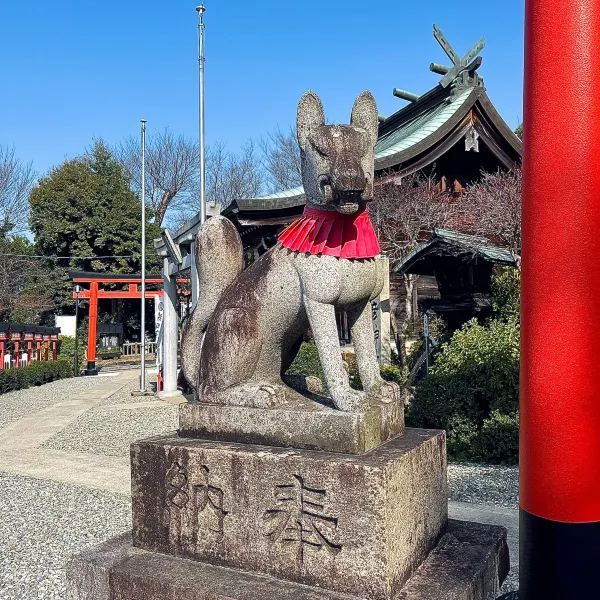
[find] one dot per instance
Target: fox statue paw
(385, 391)
(350, 400)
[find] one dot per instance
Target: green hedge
(307, 363)
(37, 373)
(66, 350)
(473, 393)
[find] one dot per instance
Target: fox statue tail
(219, 259)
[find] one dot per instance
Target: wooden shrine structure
(461, 267)
(20, 345)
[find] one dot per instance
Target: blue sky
(73, 70)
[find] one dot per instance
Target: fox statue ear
(310, 117)
(364, 114)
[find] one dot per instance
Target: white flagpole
(201, 10)
(143, 291)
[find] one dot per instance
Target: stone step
(468, 564)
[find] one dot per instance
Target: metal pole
(143, 317)
(201, 10)
(76, 357)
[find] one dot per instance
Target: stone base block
(359, 525)
(297, 427)
(469, 563)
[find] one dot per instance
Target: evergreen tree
(85, 211)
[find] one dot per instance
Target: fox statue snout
(337, 160)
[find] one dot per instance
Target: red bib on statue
(332, 234)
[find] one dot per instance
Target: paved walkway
(20, 442)
(78, 439)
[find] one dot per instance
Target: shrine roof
(430, 124)
(444, 242)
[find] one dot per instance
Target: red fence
(20, 345)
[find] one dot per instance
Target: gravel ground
(21, 403)
(42, 523)
(483, 484)
(110, 432)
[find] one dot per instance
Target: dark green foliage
(85, 208)
(475, 375)
(307, 363)
(499, 439)
(393, 373)
(506, 292)
(66, 350)
(37, 373)
(473, 388)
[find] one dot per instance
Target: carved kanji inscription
(298, 519)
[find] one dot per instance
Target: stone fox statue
(248, 324)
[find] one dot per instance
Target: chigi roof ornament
(463, 70)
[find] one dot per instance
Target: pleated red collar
(333, 234)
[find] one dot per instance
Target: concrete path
(20, 442)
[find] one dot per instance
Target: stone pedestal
(306, 425)
(217, 520)
(467, 564)
(354, 524)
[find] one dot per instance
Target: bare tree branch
(281, 160)
(405, 212)
(171, 170)
(16, 180)
(495, 206)
(23, 285)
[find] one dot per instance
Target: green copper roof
(461, 242)
(421, 126)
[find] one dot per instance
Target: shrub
(475, 375)
(107, 353)
(66, 349)
(499, 439)
(35, 374)
(462, 438)
(506, 293)
(307, 363)
(393, 373)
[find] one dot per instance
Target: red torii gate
(95, 292)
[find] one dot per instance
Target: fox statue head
(337, 160)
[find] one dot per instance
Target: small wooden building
(455, 274)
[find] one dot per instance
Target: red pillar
(29, 345)
(560, 327)
(38, 351)
(2, 355)
(46, 344)
(53, 349)
(92, 330)
(16, 353)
